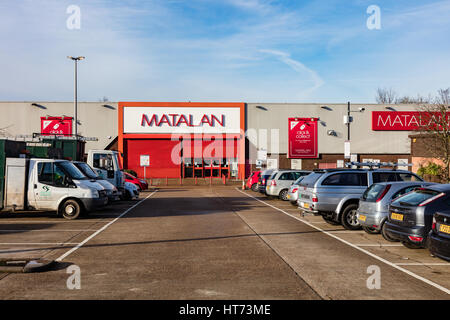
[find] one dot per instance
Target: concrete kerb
(25, 265)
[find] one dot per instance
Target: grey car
(334, 193)
(280, 181)
(293, 191)
(263, 179)
(373, 209)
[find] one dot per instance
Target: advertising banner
(303, 138)
(56, 125)
(404, 120)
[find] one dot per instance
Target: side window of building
(384, 177)
(346, 179)
(45, 173)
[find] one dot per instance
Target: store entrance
(206, 167)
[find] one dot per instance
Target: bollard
(210, 180)
(224, 179)
(243, 185)
(167, 181)
(181, 181)
(195, 180)
(151, 181)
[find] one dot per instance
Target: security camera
(361, 109)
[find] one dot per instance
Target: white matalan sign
(145, 160)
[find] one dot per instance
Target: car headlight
(95, 194)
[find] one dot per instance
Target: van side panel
(16, 184)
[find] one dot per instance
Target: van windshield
(310, 179)
(87, 170)
(72, 171)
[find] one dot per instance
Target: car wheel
(370, 230)
(349, 217)
(254, 187)
(294, 203)
(385, 234)
(70, 210)
(283, 195)
(410, 245)
(330, 221)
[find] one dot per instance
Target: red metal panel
(164, 157)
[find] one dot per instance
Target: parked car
(373, 207)
(334, 193)
(131, 191)
(263, 179)
(111, 191)
(293, 190)
(252, 181)
(439, 244)
(141, 184)
(280, 181)
(411, 216)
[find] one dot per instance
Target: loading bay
(210, 242)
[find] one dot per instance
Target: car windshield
(87, 170)
(310, 179)
(416, 197)
(72, 171)
(373, 192)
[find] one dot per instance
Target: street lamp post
(348, 119)
(75, 106)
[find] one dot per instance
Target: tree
(385, 95)
(435, 124)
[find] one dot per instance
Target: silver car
(280, 181)
(373, 207)
(293, 191)
(334, 193)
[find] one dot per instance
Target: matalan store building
(187, 139)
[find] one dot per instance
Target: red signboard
(303, 138)
(404, 120)
(56, 125)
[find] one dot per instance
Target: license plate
(444, 228)
(396, 216)
(305, 205)
(362, 217)
(288, 196)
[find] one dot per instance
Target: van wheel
(370, 230)
(385, 234)
(330, 221)
(70, 210)
(254, 187)
(283, 195)
(349, 217)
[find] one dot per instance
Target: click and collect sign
(303, 138)
(56, 125)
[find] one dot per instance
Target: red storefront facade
(183, 139)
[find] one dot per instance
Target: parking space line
(37, 243)
(43, 230)
(347, 231)
(65, 255)
(380, 245)
(412, 274)
(422, 264)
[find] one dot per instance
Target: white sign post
(145, 162)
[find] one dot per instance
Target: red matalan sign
(404, 120)
(303, 138)
(56, 125)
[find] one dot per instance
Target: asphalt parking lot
(207, 242)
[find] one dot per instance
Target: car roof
(405, 182)
(358, 170)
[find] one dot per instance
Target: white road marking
(37, 243)
(65, 255)
(431, 283)
(44, 230)
(379, 245)
(422, 264)
(347, 231)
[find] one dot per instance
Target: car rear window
(416, 197)
(373, 192)
(311, 179)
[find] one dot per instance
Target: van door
(50, 186)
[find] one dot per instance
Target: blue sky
(229, 50)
